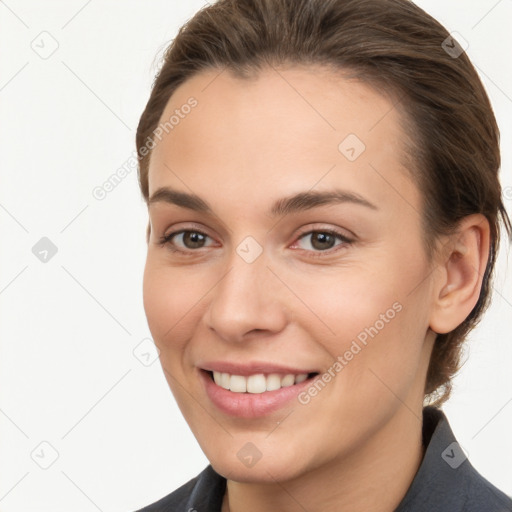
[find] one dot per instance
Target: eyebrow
(284, 206)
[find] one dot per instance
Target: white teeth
(301, 378)
(273, 382)
(224, 380)
(238, 384)
(288, 380)
(257, 383)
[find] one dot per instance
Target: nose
(248, 301)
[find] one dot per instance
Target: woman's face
(266, 290)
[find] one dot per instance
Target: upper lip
(251, 368)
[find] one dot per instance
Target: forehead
(283, 128)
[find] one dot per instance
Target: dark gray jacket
(445, 482)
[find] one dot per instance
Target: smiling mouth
(259, 382)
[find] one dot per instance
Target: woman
(322, 186)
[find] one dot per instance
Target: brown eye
(181, 241)
(193, 239)
(321, 241)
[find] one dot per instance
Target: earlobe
(465, 258)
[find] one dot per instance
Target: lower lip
(250, 405)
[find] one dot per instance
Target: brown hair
(389, 43)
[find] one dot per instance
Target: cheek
(171, 301)
(340, 304)
(368, 315)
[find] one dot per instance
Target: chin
(267, 469)
(262, 473)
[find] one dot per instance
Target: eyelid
(346, 235)
(188, 227)
(336, 232)
(345, 241)
(166, 238)
(342, 232)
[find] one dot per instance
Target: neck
(374, 479)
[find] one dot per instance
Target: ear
(462, 267)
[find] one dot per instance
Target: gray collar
(445, 481)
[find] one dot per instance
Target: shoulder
(174, 501)
(482, 495)
(446, 480)
(207, 488)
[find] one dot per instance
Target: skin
(245, 145)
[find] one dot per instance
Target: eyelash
(167, 240)
(328, 252)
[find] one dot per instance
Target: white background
(69, 327)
